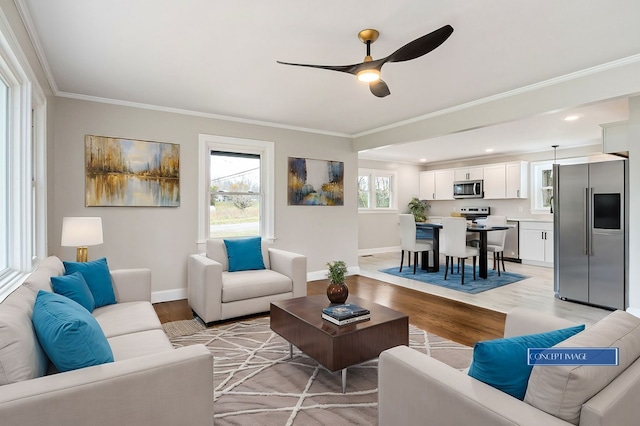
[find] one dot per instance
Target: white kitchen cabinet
(444, 184)
(536, 243)
(615, 138)
(427, 186)
(494, 181)
(516, 180)
(473, 173)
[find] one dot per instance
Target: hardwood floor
(461, 317)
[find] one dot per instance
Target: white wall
(162, 238)
(634, 205)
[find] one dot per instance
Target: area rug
(453, 281)
(257, 384)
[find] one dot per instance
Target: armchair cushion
(251, 284)
(96, 274)
(244, 254)
(75, 288)
(502, 363)
(68, 333)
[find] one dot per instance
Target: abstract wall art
(315, 182)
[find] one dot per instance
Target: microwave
(468, 189)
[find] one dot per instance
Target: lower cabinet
(536, 243)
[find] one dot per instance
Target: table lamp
(81, 232)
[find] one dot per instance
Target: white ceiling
(218, 58)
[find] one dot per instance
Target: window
(235, 199)
(22, 166)
(542, 184)
(376, 190)
(236, 196)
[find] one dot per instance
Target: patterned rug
(257, 384)
(454, 281)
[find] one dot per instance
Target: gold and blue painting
(315, 182)
(131, 173)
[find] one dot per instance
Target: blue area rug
(453, 280)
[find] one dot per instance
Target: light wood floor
(535, 292)
(451, 314)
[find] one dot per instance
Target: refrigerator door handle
(586, 224)
(590, 224)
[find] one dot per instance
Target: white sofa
(216, 294)
(417, 389)
(149, 382)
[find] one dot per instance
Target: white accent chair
(495, 240)
(409, 242)
(215, 294)
(453, 238)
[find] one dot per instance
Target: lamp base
(82, 254)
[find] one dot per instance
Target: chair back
(496, 238)
(453, 236)
(407, 232)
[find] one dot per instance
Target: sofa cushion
(250, 284)
(96, 274)
(126, 318)
(244, 254)
(75, 288)
(502, 363)
(21, 356)
(139, 344)
(562, 390)
(68, 333)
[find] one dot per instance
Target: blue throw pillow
(67, 332)
(96, 274)
(75, 288)
(502, 363)
(244, 254)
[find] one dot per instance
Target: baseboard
(168, 295)
(322, 275)
(378, 250)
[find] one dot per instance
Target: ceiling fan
(369, 70)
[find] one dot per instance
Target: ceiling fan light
(368, 75)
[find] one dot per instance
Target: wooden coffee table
(299, 321)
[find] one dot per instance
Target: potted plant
(337, 290)
(418, 209)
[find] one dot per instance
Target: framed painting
(131, 173)
(315, 182)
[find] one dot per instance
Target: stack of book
(345, 313)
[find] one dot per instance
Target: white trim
(378, 250)
(168, 295)
(266, 150)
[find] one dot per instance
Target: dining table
(431, 231)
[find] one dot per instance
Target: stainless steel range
(475, 213)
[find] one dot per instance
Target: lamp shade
(81, 231)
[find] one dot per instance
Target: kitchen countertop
(528, 219)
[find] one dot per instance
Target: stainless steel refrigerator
(590, 215)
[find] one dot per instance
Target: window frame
(25, 196)
(393, 197)
(266, 150)
(536, 181)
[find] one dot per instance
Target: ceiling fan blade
(379, 88)
(341, 68)
(421, 46)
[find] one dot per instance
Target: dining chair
(495, 240)
(453, 238)
(409, 242)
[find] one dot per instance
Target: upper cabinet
(615, 138)
(427, 186)
(494, 181)
(473, 173)
(436, 185)
(517, 183)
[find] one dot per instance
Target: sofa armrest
(204, 287)
(414, 388)
(168, 388)
(293, 265)
(522, 321)
(132, 285)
